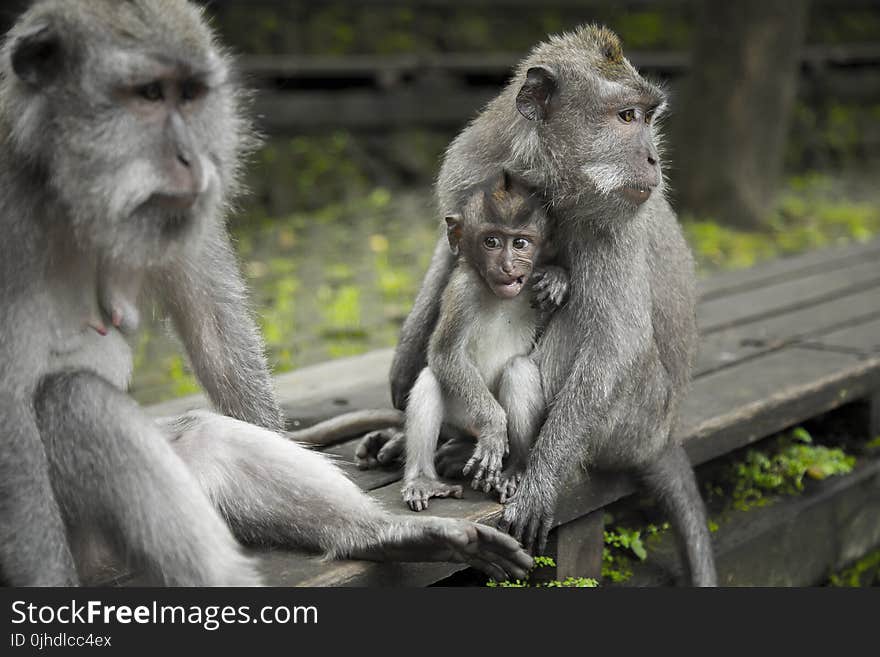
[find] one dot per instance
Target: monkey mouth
(636, 193)
(508, 288)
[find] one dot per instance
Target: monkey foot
(377, 448)
(417, 492)
(507, 484)
(452, 456)
(446, 539)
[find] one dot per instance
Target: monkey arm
(206, 297)
(33, 541)
(613, 373)
(277, 493)
(410, 356)
(478, 409)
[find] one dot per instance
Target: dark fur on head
(553, 117)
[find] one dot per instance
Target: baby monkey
(479, 378)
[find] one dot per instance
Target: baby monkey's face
(505, 257)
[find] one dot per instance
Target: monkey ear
(453, 232)
(533, 99)
(37, 56)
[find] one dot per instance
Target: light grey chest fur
(504, 329)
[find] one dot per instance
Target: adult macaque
(579, 123)
(479, 378)
(121, 137)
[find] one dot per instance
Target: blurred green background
(338, 226)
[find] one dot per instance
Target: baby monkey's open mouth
(509, 288)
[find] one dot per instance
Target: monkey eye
(492, 242)
(649, 116)
(520, 243)
(192, 90)
(627, 115)
(151, 92)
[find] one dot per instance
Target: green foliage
(621, 545)
(865, 572)
(811, 212)
(545, 562)
(753, 480)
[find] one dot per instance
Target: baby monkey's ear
(453, 232)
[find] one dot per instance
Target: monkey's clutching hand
(550, 287)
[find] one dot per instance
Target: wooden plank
(738, 405)
(778, 298)
(579, 546)
(727, 346)
(728, 409)
(862, 338)
(786, 268)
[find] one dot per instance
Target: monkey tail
(347, 425)
(671, 480)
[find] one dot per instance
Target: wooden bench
(781, 343)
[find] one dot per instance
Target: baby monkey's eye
(492, 242)
(627, 115)
(151, 92)
(520, 243)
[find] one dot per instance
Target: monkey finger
(545, 532)
(392, 450)
(493, 571)
(506, 551)
(367, 463)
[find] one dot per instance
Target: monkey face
(133, 98)
(504, 258)
(592, 119)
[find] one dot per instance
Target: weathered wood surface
(781, 343)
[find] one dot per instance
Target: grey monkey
(122, 135)
(578, 122)
(479, 378)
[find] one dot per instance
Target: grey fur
(105, 186)
(615, 359)
(478, 339)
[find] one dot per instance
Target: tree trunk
(733, 116)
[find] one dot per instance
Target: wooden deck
(781, 343)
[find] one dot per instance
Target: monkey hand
(550, 286)
(528, 517)
(416, 492)
(487, 458)
(420, 538)
(383, 447)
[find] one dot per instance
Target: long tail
(347, 425)
(671, 479)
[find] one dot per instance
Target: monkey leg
(34, 550)
(112, 468)
(275, 492)
(424, 418)
(670, 478)
(522, 397)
